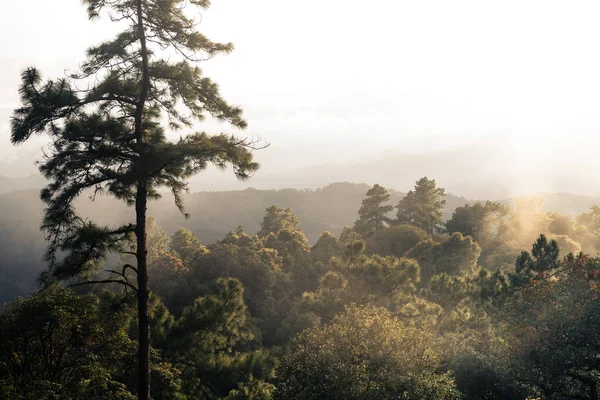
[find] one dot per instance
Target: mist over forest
(486, 171)
(269, 200)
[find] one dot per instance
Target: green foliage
(56, 344)
(457, 255)
(276, 220)
(476, 355)
(187, 246)
(543, 258)
(280, 231)
(372, 215)
(449, 290)
(362, 279)
(348, 236)
(428, 323)
(108, 138)
(396, 240)
(327, 246)
(481, 220)
(401, 312)
(422, 207)
(365, 353)
(212, 345)
(552, 327)
(258, 270)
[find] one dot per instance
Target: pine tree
(544, 257)
(373, 213)
(422, 207)
(276, 220)
(104, 123)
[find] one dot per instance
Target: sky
(341, 80)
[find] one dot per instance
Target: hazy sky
(337, 79)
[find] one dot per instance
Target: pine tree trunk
(142, 296)
(141, 201)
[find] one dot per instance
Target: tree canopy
(423, 206)
(264, 316)
(372, 215)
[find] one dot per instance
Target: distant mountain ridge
(489, 171)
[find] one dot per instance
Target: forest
(400, 305)
(349, 292)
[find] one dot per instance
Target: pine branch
(105, 281)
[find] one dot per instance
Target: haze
(492, 95)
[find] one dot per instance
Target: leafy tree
(449, 290)
(500, 255)
(422, 207)
(357, 278)
(108, 138)
(56, 344)
(291, 244)
(553, 332)
(476, 354)
(457, 255)
(395, 240)
(487, 223)
(365, 353)
(372, 215)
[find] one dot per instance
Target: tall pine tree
(422, 207)
(106, 129)
(372, 215)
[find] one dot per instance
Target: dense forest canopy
(496, 302)
(214, 214)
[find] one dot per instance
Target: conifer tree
(276, 220)
(105, 125)
(372, 215)
(422, 207)
(544, 257)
